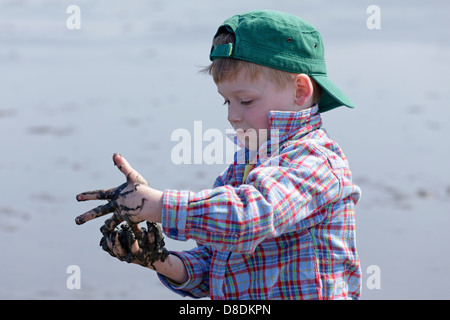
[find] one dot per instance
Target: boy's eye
(243, 102)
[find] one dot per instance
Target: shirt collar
(288, 124)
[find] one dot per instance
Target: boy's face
(249, 102)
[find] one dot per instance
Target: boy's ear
(303, 89)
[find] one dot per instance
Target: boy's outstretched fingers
(97, 212)
(132, 175)
(107, 194)
(127, 199)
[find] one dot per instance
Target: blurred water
(129, 77)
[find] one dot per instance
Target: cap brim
(332, 97)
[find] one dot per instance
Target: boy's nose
(233, 114)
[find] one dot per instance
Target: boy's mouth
(244, 131)
(248, 137)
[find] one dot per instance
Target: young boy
(276, 225)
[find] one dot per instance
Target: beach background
(129, 77)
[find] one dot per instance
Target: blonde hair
(222, 69)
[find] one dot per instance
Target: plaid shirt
(287, 232)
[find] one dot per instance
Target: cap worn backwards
(281, 41)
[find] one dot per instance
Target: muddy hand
(128, 200)
(120, 242)
(132, 244)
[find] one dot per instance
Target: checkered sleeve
(274, 199)
(197, 263)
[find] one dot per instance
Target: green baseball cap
(281, 41)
